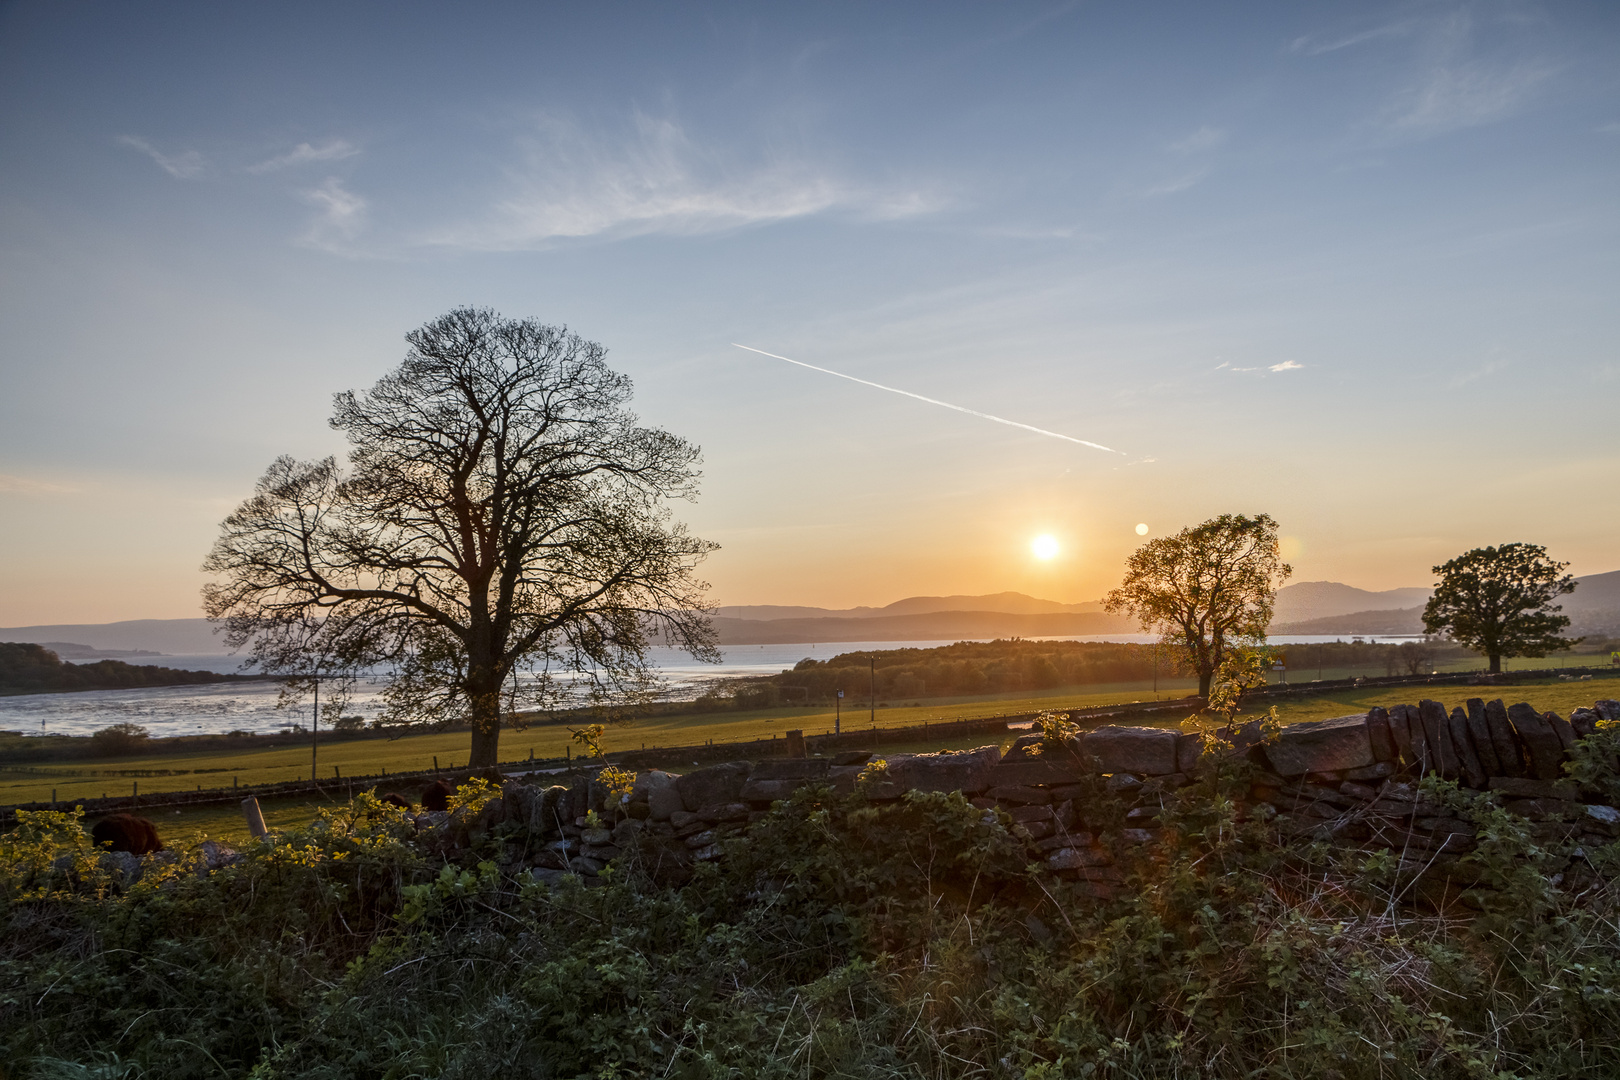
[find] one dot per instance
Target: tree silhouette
(1498, 601)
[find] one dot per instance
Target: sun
(1045, 546)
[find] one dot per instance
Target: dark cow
(437, 796)
(394, 798)
(126, 832)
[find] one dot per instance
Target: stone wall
(1351, 779)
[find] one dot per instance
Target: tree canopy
(1498, 601)
(501, 529)
(1207, 589)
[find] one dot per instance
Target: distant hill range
(1308, 607)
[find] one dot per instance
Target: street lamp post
(872, 662)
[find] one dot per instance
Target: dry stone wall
(1350, 779)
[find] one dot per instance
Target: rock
(1023, 796)
(563, 847)
(1139, 815)
(1339, 743)
(216, 856)
(1149, 751)
(1123, 783)
(734, 811)
(1584, 721)
(1036, 830)
(1509, 755)
(1479, 731)
(1060, 767)
(702, 839)
(852, 757)
(1437, 729)
(1519, 787)
(1138, 836)
(1542, 808)
(1545, 750)
(125, 867)
(662, 793)
(1020, 749)
(1378, 770)
(967, 771)
(1473, 772)
(1382, 739)
(712, 786)
(626, 833)
(1562, 728)
(1400, 729)
(583, 865)
(769, 781)
(1358, 791)
(1189, 748)
(1607, 708)
(596, 836)
(1606, 816)
(604, 853)
(1034, 812)
(708, 854)
(680, 819)
(1076, 858)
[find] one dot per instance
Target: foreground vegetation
(836, 938)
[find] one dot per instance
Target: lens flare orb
(1141, 530)
(1045, 546)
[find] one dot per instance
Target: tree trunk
(486, 730)
(1204, 679)
(1496, 663)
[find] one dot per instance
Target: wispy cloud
(1310, 45)
(1175, 184)
(1467, 94)
(1286, 365)
(342, 213)
(1205, 138)
(1482, 372)
(659, 180)
(187, 165)
(22, 485)
(304, 153)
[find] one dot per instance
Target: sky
(1351, 265)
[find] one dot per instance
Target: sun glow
(1045, 546)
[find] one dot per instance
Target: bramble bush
(839, 936)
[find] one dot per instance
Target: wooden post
(135, 796)
(336, 773)
(53, 798)
(435, 764)
(255, 817)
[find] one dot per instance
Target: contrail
(933, 401)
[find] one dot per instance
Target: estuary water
(259, 706)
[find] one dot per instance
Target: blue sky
(1351, 265)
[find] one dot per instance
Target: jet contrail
(932, 401)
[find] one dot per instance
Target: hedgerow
(837, 937)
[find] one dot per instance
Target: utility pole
(872, 662)
(314, 731)
(838, 713)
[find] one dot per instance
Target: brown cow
(126, 832)
(437, 796)
(394, 798)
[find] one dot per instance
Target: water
(258, 706)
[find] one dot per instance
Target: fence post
(135, 796)
(255, 817)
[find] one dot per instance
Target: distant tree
(1416, 656)
(1207, 590)
(119, 740)
(502, 512)
(1499, 602)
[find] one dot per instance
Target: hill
(185, 637)
(1005, 603)
(33, 669)
(932, 626)
(1307, 600)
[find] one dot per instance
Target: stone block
(1473, 772)
(1607, 708)
(1138, 836)
(1584, 721)
(681, 819)
(1034, 812)
(802, 769)
(1076, 858)
(1437, 729)
(1509, 754)
(1400, 729)
(1378, 732)
(1543, 809)
(1055, 769)
(851, 757)
(735, 811)
(1523, 787)
(1141, 750)
(1189, 748)
(967, 771)
(712, 786)
(1020, 749)
(661, 792)
(769, 791)
(1546, 752)
(1020, 796)
(1326, 745)
(1562, 728)
(1480, 732)
(1035, 830)
(1378, 770)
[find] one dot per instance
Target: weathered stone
(1584, 721)
(694, 826)
(1189, 748)
(1607, 708)
(701, 839)
(1606, 816)
(1065, 792)
(1542, 808)
(795, 769)
(1023, 796)
(1376, 771)
(769, 791)
(661, 791)
(1378, 733)
(1035, 830)
(1522, 787)
(1149, 751)
(1171, 781)
(1030, 813)
(1538, 737)
(603, 853)
(1076, 858)
(1437, 729)
(1138, 836)
(795, 744)
(852, 757)
(1063, 839)
(1059, 768)
(583, 865)
(708, 854)
(1473, 772)
(1358, 791)
(1020, 749)
(1339, 743)
(547, 876)
(967, 771)
(1562, 728)
(1480, 732)
(1400, 729)
(1140, 815)
(734, 811)
(595, 837)
(1123, 784)
(1509, 754)
(713, 785)
(681, 819)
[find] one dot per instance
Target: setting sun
(1044, 546)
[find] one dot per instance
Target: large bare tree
(502, 514)
(1207, 589)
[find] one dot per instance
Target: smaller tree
(1207, 590)
(1499, 602)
